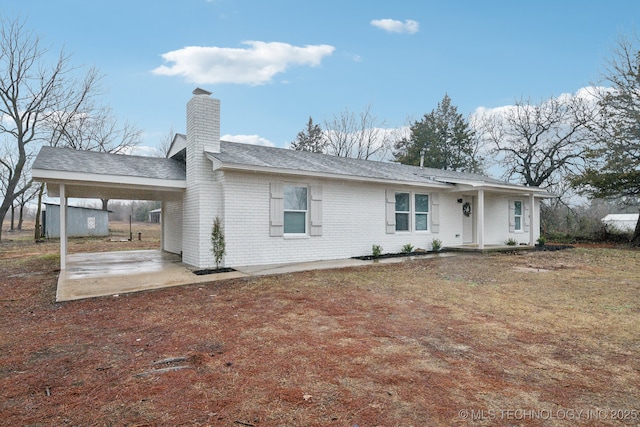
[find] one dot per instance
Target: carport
(70, 173)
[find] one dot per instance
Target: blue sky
(275, 63)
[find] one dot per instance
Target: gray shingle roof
(70, 160)
(281, 158)
(246, 155)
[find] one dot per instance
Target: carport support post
(480, 219)
(63, 227)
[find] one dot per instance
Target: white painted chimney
(203, 123)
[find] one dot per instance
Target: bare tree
(542, 144)
(32, 96)
(162, 150)
(359, 136)
(94, 128)
(30, 193)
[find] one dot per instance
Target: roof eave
(465, 185)
(62, 177)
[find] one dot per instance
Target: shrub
(376, 250)
(217, 241)
(511, 242)
(407, 249)
(541, 241)
(436, 245)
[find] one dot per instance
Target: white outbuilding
(621, 222)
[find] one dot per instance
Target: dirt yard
(540, 339)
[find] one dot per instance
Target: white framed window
(303, 207)
(517, 215)
(411, 212)
(421, 210)
(296, 202)
(403, 211)
(402, 206)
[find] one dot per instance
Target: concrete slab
(90, 275)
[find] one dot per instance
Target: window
(301, 204)
(517, 215)
(295, 209)
(403, 207)
(422, 212)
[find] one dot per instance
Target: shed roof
(621, 217)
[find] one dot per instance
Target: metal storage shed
(81, 222)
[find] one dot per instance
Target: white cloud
(255, 65)
(143, 150)
(409, 26)
(588, 94)
(248, 139)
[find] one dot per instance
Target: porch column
(532, 218)
(480, 220)
(63, 228)
(162, 211)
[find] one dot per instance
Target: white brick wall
(172, 226)
(202, 202)
(353, 218)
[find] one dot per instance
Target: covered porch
(480, 202)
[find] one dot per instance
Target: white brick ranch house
(280, 206)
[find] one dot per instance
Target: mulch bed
(213, 271)
(393, 255)
(551, 248)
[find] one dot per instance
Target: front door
(467, 220)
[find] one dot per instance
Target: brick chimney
(203, 122)
(200, 203)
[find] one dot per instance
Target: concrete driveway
(110, 273)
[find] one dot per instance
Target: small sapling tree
(217, 241)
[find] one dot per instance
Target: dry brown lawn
(532, 339)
